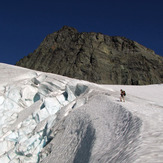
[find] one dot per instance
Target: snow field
(50, 118)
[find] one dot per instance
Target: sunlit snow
(51, 118)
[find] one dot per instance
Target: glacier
(50, 118)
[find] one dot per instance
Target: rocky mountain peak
(96, 57)
(68, 28)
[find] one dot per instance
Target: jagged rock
(96, 57)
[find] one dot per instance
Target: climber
(123, 93)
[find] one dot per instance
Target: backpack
(124, 93)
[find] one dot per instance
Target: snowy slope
(51, 118)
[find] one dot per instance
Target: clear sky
(25, 23)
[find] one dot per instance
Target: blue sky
(25, 23)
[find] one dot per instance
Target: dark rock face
(96, 57)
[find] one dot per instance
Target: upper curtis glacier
(50, 118)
